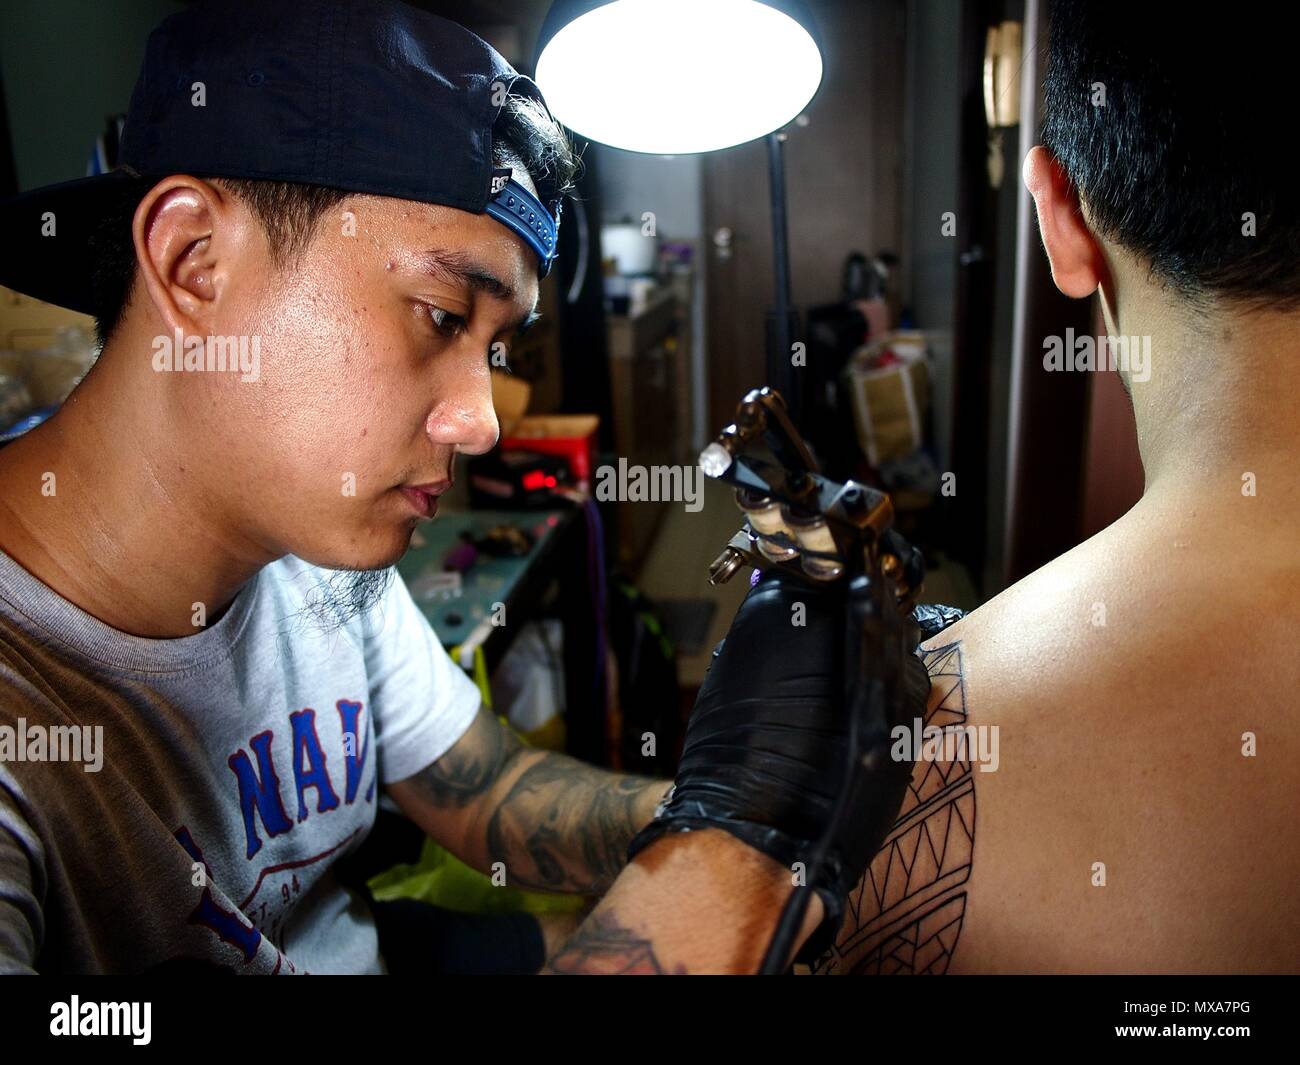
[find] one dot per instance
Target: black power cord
(869, 693)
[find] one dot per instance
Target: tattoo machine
(820, 531)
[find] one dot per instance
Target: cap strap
(514, 206)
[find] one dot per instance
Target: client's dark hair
(1173, 131)
(524, 136)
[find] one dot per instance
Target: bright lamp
(672, 77)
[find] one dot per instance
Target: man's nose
(466, 420)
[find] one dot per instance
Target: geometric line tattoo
(905, 915)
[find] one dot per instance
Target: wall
(68, 65)
(932, 130)
(672, 187)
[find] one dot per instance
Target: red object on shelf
(570, 436)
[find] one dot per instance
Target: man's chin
(382, 549)
(356, 579)
(345, 594)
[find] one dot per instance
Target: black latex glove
(766, 748)
(933, 618)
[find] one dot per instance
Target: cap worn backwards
(369, 96)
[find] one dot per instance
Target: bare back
(1127, 799)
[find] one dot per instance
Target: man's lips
(424, 497)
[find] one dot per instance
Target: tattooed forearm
(906, 914)
(565, 826)
(469, 770)
(554, 822)
(603, 947)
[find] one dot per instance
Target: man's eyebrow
(478, 277)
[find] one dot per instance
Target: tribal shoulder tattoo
(905, 915)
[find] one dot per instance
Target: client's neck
(1222, 399)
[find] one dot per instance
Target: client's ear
(1078, 264)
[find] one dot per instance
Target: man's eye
(445, 322)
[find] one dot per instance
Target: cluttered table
(465, 563)
(479, 575)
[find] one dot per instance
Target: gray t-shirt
(206, 784)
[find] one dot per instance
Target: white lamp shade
(674, 77)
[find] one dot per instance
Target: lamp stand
(782, 320)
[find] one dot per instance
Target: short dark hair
(1172, 130)
(524, 136)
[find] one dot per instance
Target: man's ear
(1078, 264)
(183, 239)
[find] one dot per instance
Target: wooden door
(844, 186)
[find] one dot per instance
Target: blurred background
(921, 290)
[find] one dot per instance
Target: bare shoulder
(1109, 763)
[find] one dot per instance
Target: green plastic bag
(440, 878)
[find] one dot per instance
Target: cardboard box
(890, 402)
(49, 348)
(570, 436)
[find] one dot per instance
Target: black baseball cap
(369, 96)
